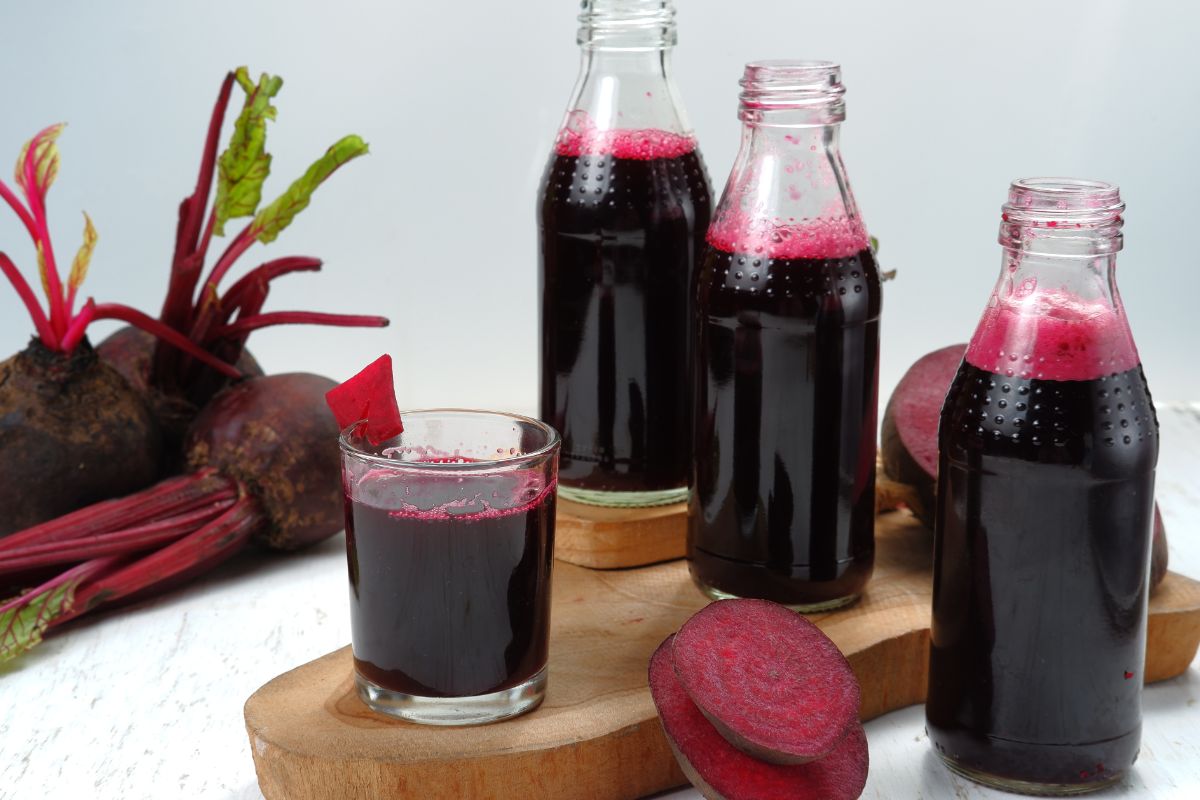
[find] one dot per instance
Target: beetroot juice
(1048, 443)
(623, 207)
(622, 228)
(449, 553)
(450, 602)
(786, 366)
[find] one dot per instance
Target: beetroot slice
(909, 447)
(370, 395)
(768, 679)
(720, 770)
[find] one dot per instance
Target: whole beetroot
(294, 470)
(130, 351)
(267, 469)
(65, 421)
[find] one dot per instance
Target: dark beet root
(293, 470)
(72, 432)
(721, 771)
(130, 351)
(769, 680)
(908, 446)
(909, 437)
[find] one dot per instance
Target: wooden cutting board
(596, 735)
(612, 538)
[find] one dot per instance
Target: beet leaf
(271, 221)
(24, 619)
(245, 164)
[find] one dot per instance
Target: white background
(947, 101)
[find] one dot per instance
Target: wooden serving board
(597, 735)
(611, 538)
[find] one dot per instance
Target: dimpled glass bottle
(1047, 448)
(786, 369)
(622, 211)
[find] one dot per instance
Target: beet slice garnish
(720, 770)
(769, 680)
(369, 396)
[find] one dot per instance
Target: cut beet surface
(722, 772)
(370, 395)
(770, 681)
(909, 447)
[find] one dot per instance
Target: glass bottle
(786, 369)
(623, 207)
(1048, 443)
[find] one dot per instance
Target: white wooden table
(147, 703)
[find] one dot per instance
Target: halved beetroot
(370, 395)
(722, 772)
(909, 449)
(769, 680)
(909, 446)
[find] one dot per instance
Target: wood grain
(597, 735)
(611, 538)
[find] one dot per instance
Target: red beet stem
(184, 558)
(171, 497)
(253, 323)
(35, 196)
(78, 326)
(166, 334)
(40, 323)
(265, 273)
(19, 209)
(116, 543)
(186, 266)
(81, 572)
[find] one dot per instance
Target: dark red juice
(1044, 515)
(622, 220)
(453, 602)
(782, 506)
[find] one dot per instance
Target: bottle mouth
(782, 85)
(1047, 214)
(627, 24)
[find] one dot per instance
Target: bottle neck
(788, 195)
(1055, 312)
(625, 104)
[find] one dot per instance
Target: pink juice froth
(1052, 335)
(642, 144)
(825, 237)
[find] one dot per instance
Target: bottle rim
(627, 24)
(808, 85)
(1054, 199)
(1043, 210)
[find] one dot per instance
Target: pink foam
(392, 491)
(641, 144)
(1052, 335)
(824, 237)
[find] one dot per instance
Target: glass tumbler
(449, 543)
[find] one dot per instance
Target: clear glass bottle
(1047, 449)
(786, 368)
(623, 207)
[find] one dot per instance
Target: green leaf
(271, 221)
(245, 164)
(25, 619)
